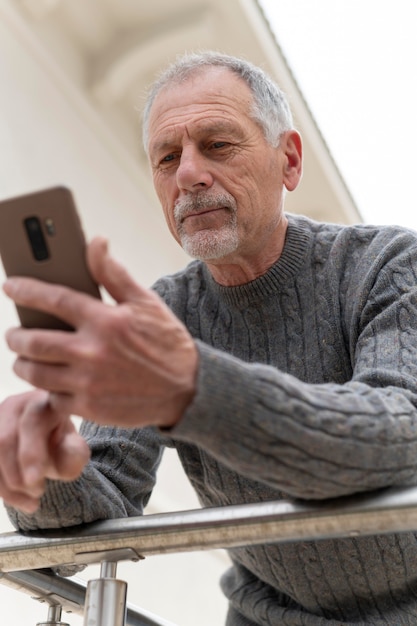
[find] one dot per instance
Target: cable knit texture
(307, 388)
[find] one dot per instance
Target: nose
(193, 172)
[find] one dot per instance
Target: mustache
(196, 203)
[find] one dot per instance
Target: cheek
(251, 192)
(260, 194)
(168, 211)
(160, 186)
(167, 194)
(269, 182)
(169, 218)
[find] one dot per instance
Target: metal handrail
(391, 510)
(387, 511)
(69, 593)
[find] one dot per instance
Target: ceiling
(110, 50)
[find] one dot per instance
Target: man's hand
(36, 443)
(130, 364)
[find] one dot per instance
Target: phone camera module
(50, 226)
(36, 238)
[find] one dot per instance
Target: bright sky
(356, 64)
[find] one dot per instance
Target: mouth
(202, 212)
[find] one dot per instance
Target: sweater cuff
(219, 405)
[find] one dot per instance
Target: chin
(209, 246)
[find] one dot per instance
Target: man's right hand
(36, 443)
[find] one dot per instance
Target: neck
(240, 269)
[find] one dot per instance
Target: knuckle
(36, 345)
(26, 370)
(60, 298)
(110, 329)
(115, 320)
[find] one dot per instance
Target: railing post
(105, 601)
(54, 617)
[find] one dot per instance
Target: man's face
(220, 183)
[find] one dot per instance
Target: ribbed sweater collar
(296, 246)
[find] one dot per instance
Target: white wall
(49, 136)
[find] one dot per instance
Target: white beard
(208, 244)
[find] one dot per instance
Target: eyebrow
(203, 127)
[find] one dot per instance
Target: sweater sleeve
(116, 483)
(311, 441)
(323, 440)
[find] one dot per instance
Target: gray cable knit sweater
(307, 388)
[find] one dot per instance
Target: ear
(293, 151)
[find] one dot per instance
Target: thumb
(49, 446)
(110, 273)
(70, 453)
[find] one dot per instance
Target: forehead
(211, 96)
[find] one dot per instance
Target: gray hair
(270, 106)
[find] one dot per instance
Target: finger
(80, 405)
(10, 472)
(64, 403)
(37, 424)
(49, 447)
(23, 502)
(53, 377)
(70, 453)
(67, 304)
(41, 345)
(111, 274)
(11, 476)
(12, 488)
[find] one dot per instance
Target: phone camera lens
(36, 238)
(50, 226)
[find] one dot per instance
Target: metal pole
(105, 601)
(46, 586)
(388, 511)
(54, 617)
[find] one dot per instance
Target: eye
(168, 158)
(218, 144)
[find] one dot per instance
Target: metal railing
(107, 542)
(68, 595)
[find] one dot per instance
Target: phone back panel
(53, 212)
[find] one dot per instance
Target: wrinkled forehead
(208, 91)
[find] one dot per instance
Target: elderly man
(281, 361)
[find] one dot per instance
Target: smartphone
(41, 236)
